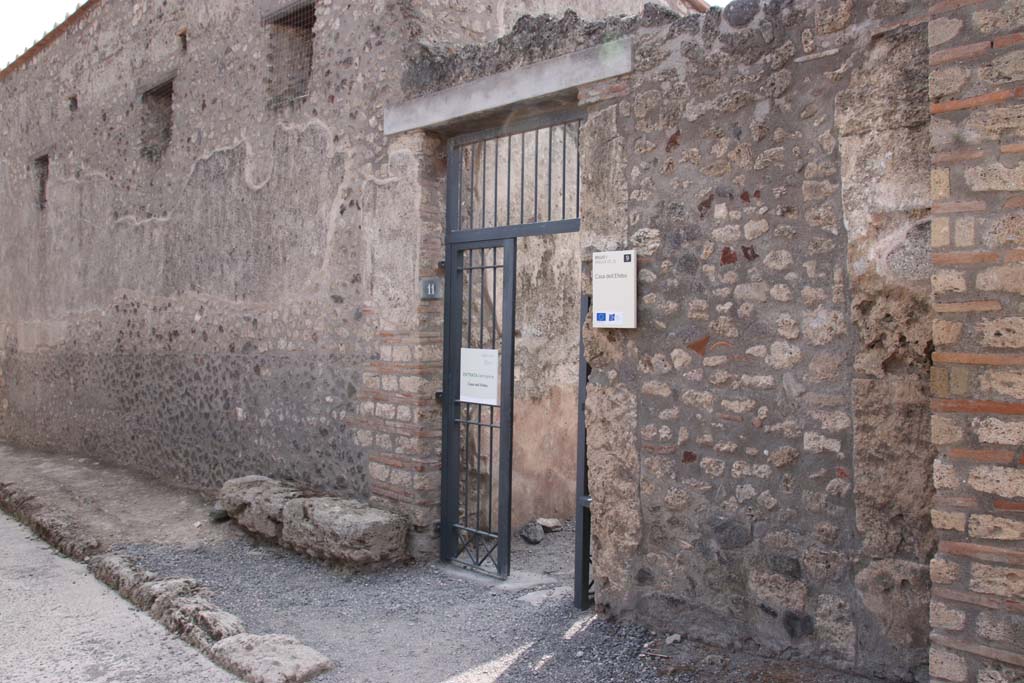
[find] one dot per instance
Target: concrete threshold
(85, 509)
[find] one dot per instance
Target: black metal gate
(520, 180)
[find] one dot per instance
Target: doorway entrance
(504, 184)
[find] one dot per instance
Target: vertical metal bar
(536, 176)
(467, 408)
(497, 155)
(480, 408)
(451, 326)
(551, 145)
(508, 362)
(522, 178)
(472, 182)
(565, 197)
(452, 214)
(483, 194)
(581, 576)
(578, 123)
(494, 345)
(508, 184)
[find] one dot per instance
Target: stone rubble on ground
(532, 533)
(549, 524)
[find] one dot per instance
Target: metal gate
(520, 180)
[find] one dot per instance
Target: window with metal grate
(41, 176)
(290, 54)
(157, 120)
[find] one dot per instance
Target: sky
(23, 23)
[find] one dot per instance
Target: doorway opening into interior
(514, 466)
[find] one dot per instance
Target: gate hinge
(438, 395)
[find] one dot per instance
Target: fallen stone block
(257, 503)
(347, 531)
(268, 658)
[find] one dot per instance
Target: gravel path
(421, 624)
(436, 624)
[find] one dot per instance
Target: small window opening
(41, 175)
(73, 103)
(183, 39)
(291, 55)
(157, 119)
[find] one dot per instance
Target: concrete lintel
(529, 83)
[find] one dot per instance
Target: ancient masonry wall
(762, 448)
(235, 293)
(200, 305)
(977, 180)
(760, 451)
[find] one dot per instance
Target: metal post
(508, 364)
(581, 580)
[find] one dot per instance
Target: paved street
(60, 625)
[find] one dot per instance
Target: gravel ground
(433, 623)
(422, 624)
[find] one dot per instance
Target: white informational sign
(614, 277)
(478, 376)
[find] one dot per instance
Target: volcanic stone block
(257, 503)
(269, 658)
(347, 531)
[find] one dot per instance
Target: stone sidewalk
(415, 624)
(88, 634)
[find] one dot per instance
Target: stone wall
(245, 300)
(776, 183)
(759, 447)
(199, 313)
(977, 181)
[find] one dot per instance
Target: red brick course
(980, 492)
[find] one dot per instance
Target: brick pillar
(399, 419)
(977, 94)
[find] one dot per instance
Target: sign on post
(614, 280)
(479, 370)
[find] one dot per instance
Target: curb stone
(181, 605)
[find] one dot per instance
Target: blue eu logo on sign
(602, 317)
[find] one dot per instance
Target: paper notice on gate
(478, 376)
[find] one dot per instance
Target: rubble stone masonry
(810, 447)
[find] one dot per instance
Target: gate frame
(457, 240)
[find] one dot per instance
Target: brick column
(977, 93)
(399, 419)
